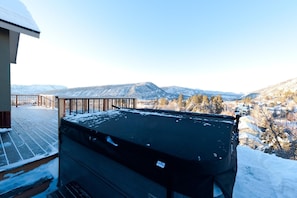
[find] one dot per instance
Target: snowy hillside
(146, 90)
(187, 92)
(288, 85)
(34, 89)
(274, 90)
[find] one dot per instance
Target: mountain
(275, 90)
(146, 90)
(34, 89)
(288, 85)
(142, 91)
(187, 92)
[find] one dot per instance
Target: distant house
(242, 110)
(14, 19)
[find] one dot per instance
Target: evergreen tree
(190, 103)
(247, 100)
(200, 98)
(205, 99)
(163, 101)
(217, 104)
(205, 105)
(180, 100)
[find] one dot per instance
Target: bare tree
(271, 128)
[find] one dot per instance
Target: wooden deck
(34, 136)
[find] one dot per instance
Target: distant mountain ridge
(288, 85)
(143, 91)
(34, 89)
(273, 90)
(187, 92)
(146, 91)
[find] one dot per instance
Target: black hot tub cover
(185, 152)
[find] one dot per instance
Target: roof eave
(14, 34)
(19, 29)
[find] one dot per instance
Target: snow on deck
(33, 135)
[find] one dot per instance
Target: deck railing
(70, 106)
(48, 101)
(73, 106)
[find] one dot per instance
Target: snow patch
(4, 130)
(46, 171)
(263, 175)
(81, 118)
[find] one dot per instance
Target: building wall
(5, 107)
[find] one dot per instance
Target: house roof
(15, 17)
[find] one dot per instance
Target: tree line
(196, 103)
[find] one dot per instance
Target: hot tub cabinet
(148, 153)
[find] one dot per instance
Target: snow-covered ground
(263, 175)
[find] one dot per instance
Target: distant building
(242, 110)
(14, 19)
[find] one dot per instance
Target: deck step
(26, 167)
(18, 181)
(28, 190)
(70, 190)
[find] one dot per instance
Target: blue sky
(238, 46)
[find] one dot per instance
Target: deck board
(34, 132)
(11, 151)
